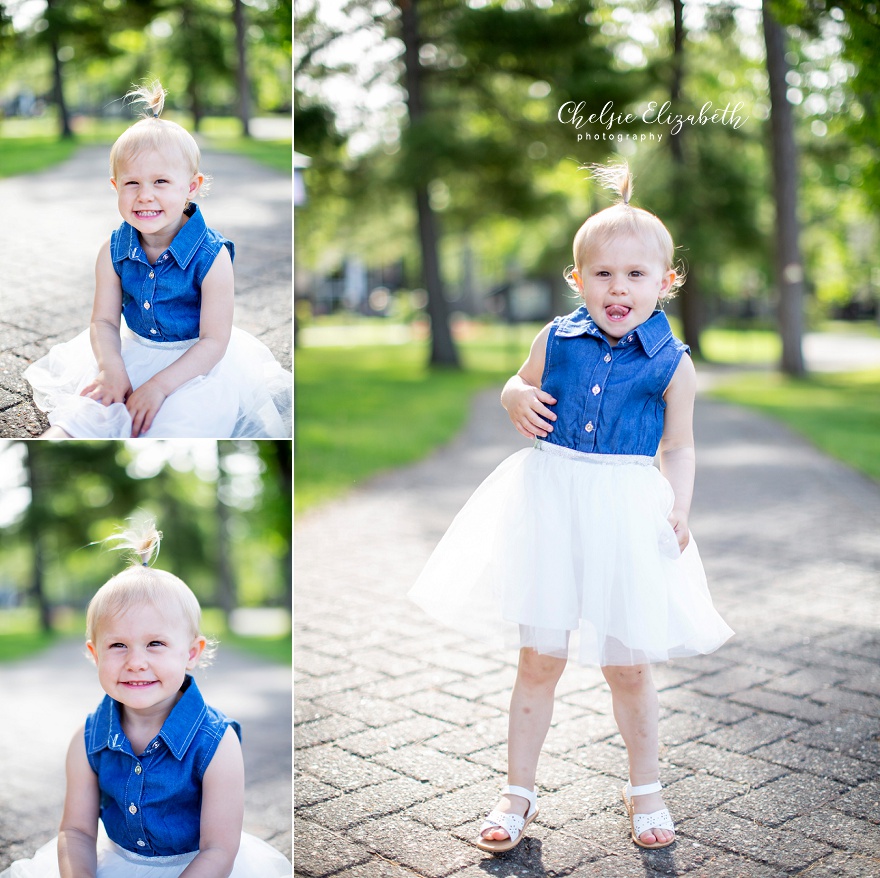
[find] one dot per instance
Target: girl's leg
(636, 710)
(531, 709)
(55, 433)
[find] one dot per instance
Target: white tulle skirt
(572, 554)
(246, 395)
(255, 859)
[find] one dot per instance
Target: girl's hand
(108, 387)
(679, 521)
(527, 408)
(143, 405)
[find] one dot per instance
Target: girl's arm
(677, 457)
(522, 396)
(215, 327)
(78, 833)
(222, 812)
(112, 383)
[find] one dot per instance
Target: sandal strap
(531, 796)
(661, 819)
(512, 824)
(644, 790)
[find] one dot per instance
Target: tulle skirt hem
(573, 555)
(246, 395)
(255, 859)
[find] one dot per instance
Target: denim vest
(609, 399)
(151, 803)
(162, 302)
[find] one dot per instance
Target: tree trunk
(789, 264)
(244, 86)
(225, 594)
(191, 63)
(34, 526)
(58, 82)
(285, 479)
(443, 350)
(693, 313)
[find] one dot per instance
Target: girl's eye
(161, 181)
(156, 643)
(117, 646)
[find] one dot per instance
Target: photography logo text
(575, 113)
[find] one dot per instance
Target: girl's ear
(92, 651)
(195, 651)
(579, 281)
(113, 183)
(196, 183)
(667, 282)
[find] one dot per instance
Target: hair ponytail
(140, 541)
(618, 178)
(151, 96)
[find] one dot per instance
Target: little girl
(579, 547)
(159, 768)
(161, 358)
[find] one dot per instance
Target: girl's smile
(142, 658)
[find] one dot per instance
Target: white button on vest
(152, 275)
(596, 390)
(589, 428)
(137, 769)
(132, 808)
(152, 332)
(607, 358)
(147, 305)
(141, 843)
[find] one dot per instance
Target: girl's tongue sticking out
(617, 312)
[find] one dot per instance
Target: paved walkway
(46, 698)
(771, 746)
(53, 224)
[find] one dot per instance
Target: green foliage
(80, 492)
(839, 413)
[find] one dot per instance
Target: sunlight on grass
(365, 409)
(837, 412)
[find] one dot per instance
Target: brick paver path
(52, 225)
(771, 746)
(47, 697)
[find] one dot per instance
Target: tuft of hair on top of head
(140, 540)
(617, 177)
(151, 95)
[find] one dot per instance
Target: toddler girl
(161, 358)
(159, 768)
(579, 547)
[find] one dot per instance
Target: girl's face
(153, 190)
(622, 281)
(142, 657)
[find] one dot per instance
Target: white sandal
(641, 823)
(512, 824)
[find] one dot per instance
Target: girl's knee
(629, 678)
(539, 670)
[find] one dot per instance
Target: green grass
(838, 412)
(20, 635)
(26, 155)
(364, 409)
(31, 145)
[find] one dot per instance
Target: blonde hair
(622, 219)
(153, 133)
(141, 584)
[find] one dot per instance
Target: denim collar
(184, 246)
(652, 334)
(177, 731)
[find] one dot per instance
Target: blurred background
(222, 506)
(65, 65)
(438, 190)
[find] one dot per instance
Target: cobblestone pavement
(46, 698)
(771, 746)
(53, 224)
